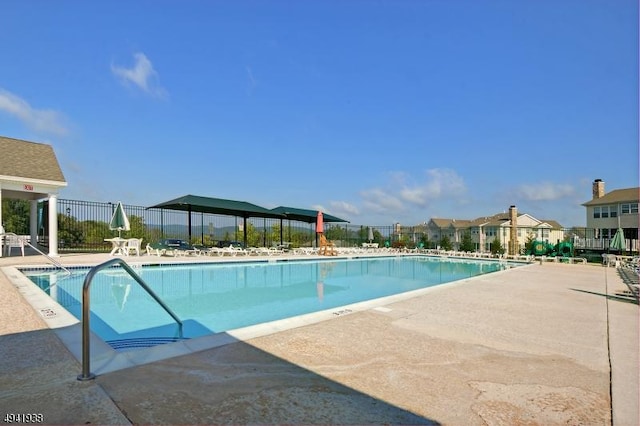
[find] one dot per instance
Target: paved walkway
(537, 345)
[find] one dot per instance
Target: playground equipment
(561, 249)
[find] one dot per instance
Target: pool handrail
(27, 243)
(86, 312)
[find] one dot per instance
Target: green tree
(496, 246)
(300, 238)
(15, 216)
(136, 225)
(467, 243)
(255, 237)
(528, 244)
(336, 233)
(445, 243)
(70, 233)
(424, 240)
(96, 231)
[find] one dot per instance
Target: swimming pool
(217, 297)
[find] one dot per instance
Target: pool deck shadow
(529, 345)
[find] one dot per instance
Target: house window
(605, 211)
(628, 208)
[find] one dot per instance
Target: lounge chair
(259, 251)
(326, 247)
(172, 246)
(234, 251)
(274, 251)
(214, 251)
(182, 248)
(631, 278)
(156, 249)
(305, 251)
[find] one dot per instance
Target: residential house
(485, 230)
(608, 211)
(30, 171)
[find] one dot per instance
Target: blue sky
(375, 111)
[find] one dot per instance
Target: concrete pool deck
(538, 345)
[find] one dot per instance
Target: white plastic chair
(133, 245)
(12, 241)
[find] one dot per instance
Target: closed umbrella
(370, 236)
(618, 242)
(319, 223)
(119, 220)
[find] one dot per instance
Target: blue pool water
(217, 297)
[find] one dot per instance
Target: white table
(119, 245)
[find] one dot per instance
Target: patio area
(542, 344)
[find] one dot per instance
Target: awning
(194, 203)
(305, 215)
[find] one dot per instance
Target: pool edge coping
(105, 359)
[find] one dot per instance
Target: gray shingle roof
(30, 160)
(616, 196)
(495, 220)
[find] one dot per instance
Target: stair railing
(86, 311)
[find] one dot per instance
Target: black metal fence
(83, 226)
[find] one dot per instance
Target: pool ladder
(86, 312)
(49, 258)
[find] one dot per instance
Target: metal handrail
(52, 260)
(86, 349)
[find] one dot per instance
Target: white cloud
(545, 191)
(141, 75)
(381, 201)
(440, 183)
(319, 207)
(342, 207)
(403, 195)
(40, 120)
(399, 196)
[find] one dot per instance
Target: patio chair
(13, 241)
(326, 247)
(133, 245)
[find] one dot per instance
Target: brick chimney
(513, 240)
(598, 189)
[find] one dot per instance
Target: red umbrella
(320, 223)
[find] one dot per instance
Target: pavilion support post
(189, 223)
(244, 231)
